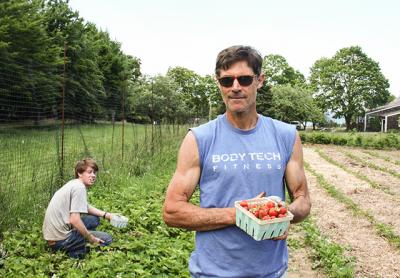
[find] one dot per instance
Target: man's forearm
(192, 217)
(99, 213)
(300, 208)
(80, 227)
(94, 211)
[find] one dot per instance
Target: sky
(190, 34)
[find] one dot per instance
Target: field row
(356, 202)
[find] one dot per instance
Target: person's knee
(91, 222)
(96, 220)
(107, 239)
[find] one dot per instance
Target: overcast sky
(189, 33)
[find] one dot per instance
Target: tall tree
(84, 80)
(28, 59)
(157, 99)
(290, 103)
(120, 73)
(192, 90)
(215, 104)
(277, 71)
(348, 84)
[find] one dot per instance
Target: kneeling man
(63, 227)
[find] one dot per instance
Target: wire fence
(42, 135)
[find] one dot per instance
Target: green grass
(384, 157)
(31, 165)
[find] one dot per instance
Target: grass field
(31, 167)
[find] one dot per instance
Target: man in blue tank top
(239, 155)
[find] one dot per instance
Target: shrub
(364, 140)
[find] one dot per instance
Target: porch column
(365, 122)
(386, 117)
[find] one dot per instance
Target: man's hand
(282, 237)
(262, 194)
(95, 240)
(109, 216)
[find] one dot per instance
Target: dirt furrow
(373, 159)
(373, 255)
(392, 155)
(384, 207)
(385, 179)
(389, 156)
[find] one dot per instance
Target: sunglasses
(244, 80)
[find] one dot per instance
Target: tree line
(47, 50)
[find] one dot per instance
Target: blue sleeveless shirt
(236, 165)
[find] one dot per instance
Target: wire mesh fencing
(42, 135)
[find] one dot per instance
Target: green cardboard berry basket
(257, 228)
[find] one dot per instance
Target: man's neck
(243, 121)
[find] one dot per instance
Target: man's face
(88, 177)
(240, 98)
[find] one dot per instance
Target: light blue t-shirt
(237, 165)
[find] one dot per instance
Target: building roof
(386, 109)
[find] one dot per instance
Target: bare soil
(383, 178)
(393, 155)
(374, 256)
(381, 162)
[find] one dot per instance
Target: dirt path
(374, 160)
(374, 257)
(384, 179)
(384, 207)
(392, 156)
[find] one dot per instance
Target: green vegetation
(364, 140)
(372, 165)
(32, 167)
(134, 186)
(325, 253)
(386, 158)
(53, 63)
(349, 83)
(33, 38)
(145, 248)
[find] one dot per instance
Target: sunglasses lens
(245, 80)
(226, 81)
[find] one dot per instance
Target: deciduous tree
(349, 83)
